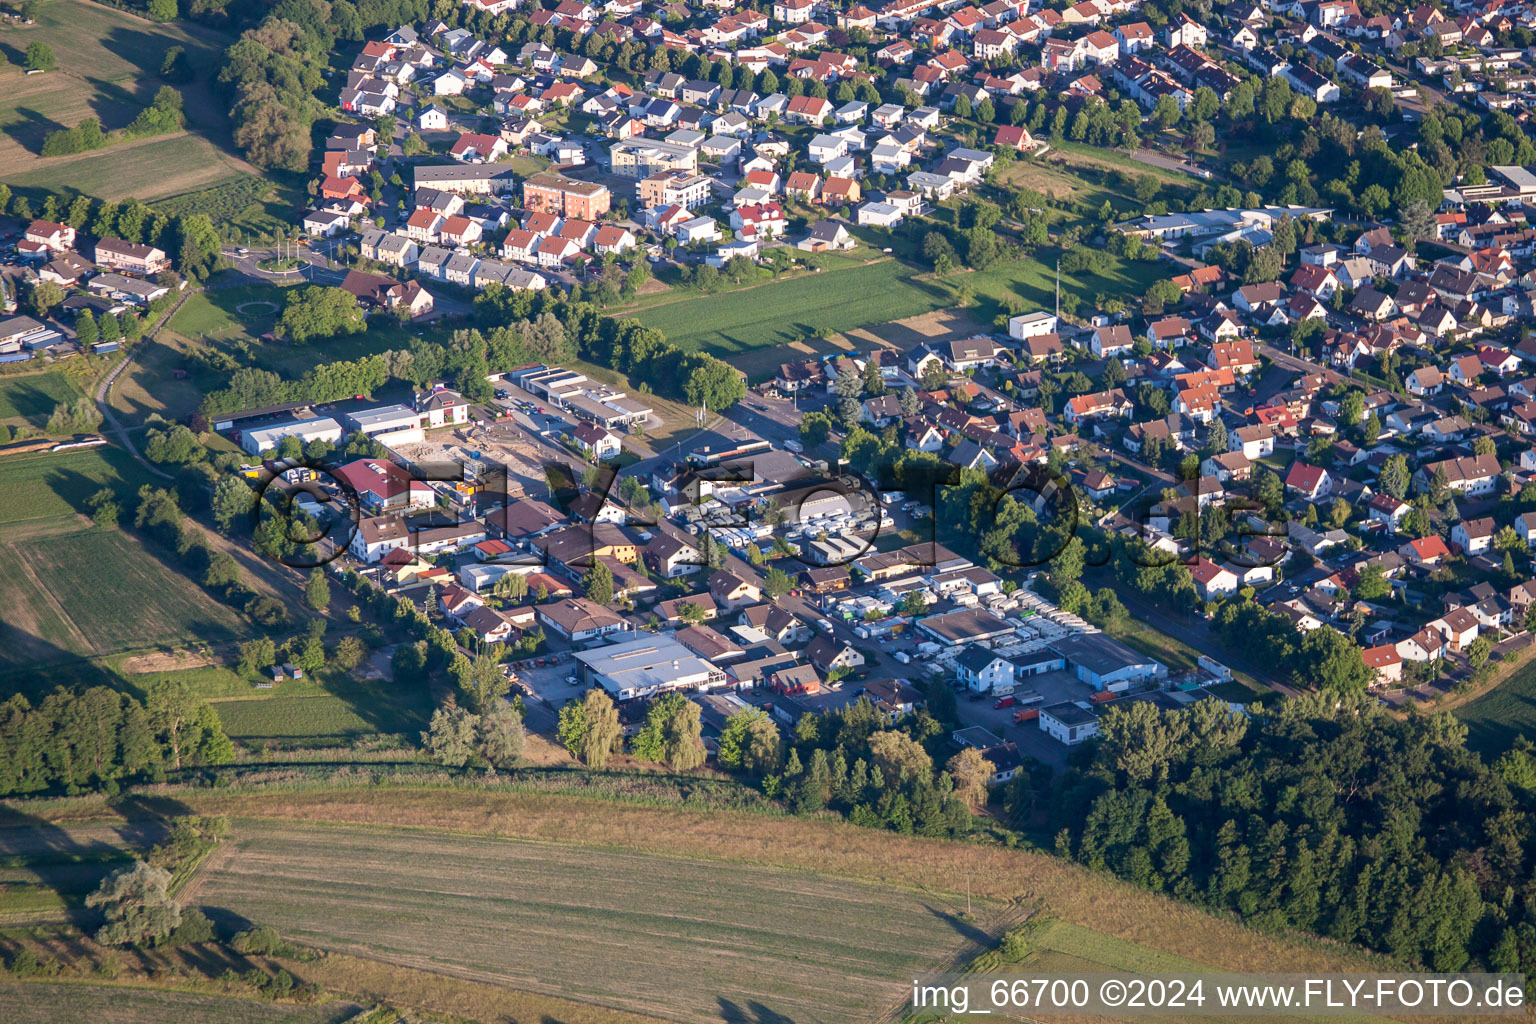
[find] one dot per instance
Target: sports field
(681, 938)
(72, 1002)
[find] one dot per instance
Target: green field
(335, 707)
(71, 1003)
(1495, 719)
(43, 873)
(94, 592)
(30, 399)
(169, 164)
(687, 939)
(734, 323)
(46, 485)
(212, 319)
(97, 591)
(108, 65)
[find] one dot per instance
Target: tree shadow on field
(962, 927)
(30, 128)
(71, 867)
(753, 1013)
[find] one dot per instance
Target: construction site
(481, 454)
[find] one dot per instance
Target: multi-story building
(550, 192)
(673, 188)
(639, 158)
(116, 254)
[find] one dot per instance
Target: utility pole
(1058, 288)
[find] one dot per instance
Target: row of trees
(161, 117)
(97, 737)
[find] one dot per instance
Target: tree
(257, 654)
(40, 57)
(161, 10)
(500, 736)
(222, 570)
(232, 501)
(589, 728)
(349, 653)
(1372, 584)
(1478, 652)
(44, 296)
(200, 244)
(137, 904)
(317, 590)
(185, 726)
(814, 428)
(972, 773)
(750, 742)
(482, 681)
(672, 733)
(86, 330)
(1394, 477)
(895, 753)
(777, 583)
(450, 738)
(1418, 222)
(315, 311)
(598, 583)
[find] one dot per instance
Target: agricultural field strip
(554, 918)
(65, 1002)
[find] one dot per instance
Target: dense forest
(1322, 813)
(99, 738)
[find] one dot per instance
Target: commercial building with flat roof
(264, 439)
(1104, 663)
(969, 625)
(646, 667)
(1069, 723)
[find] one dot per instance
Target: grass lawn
(30, 399)
(108, 68)
(697, 940)
(96, 591)
(1033, 283)
(66, 1002)
(736, 322)
(330, 705)
(1495, 719)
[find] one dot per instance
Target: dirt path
(103, 394)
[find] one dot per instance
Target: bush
(262, 940)
(194, 927)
